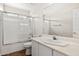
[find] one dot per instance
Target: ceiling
(30, 6)
(38, 6)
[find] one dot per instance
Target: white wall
(19, 8)
(62, 12)
(37, 26)
(37, 21)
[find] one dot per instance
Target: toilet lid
(28, 43)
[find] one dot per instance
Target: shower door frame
(3, 28)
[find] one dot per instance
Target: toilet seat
(28, 46)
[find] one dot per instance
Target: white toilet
(28, 46)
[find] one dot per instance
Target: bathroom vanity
(40, 48)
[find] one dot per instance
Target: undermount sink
(55, 42)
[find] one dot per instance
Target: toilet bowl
(28, 46)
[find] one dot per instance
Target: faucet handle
(74, 32)
(54, 38)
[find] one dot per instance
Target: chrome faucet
(54, 38)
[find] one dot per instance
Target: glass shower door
(16, 28)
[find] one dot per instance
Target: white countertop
(72, 49)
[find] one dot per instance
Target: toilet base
(28, 51)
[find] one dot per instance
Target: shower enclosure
(16, 27)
